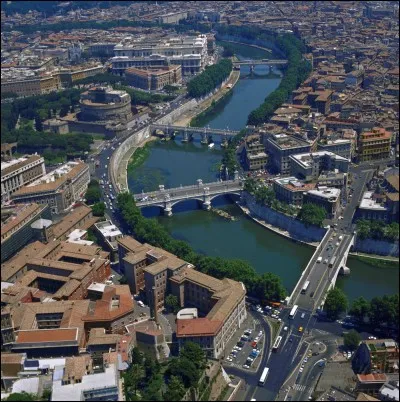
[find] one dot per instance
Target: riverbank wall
(377, 247)
(295, 229)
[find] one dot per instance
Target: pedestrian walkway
(302, 388)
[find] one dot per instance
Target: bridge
(203, 192)
(254, 63)
(328, 261)
(187, 133)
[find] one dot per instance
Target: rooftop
(368, 202)
(47, 335)
(14, 164)
(328, 193)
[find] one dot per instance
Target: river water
(174, 163)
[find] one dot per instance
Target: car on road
(285, 328)
(245, 366)
(301, 369)
(290, 339)
(300, 329)
(240, 344)
(303, 315)
(326, 261)
(311, 294)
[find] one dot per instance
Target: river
(175, 163)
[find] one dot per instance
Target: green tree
(193, 352)
(38, 123)
(172, 303)
(123, 280)
(312, 214)
(133, 377)
(93, 193)
(175, 390)
(21, 396)
(49, 115)
(137, 357)
(352, 339)
(99, 209)
(335, 303)
(384, 310)
(360, 308)
(184, 369)
(152, 391)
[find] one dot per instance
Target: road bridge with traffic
(202, 192)
(206, 133)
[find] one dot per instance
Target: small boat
(211, 146)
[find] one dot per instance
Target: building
(291, 190)
(77, 381)
(17, 228)
(56, 126)
(33, 321)
(64, 270)
(327, 198)
(30, 84)
(372, 208)
(112, 312)
(19, 172)
(146, 267)
(309, 166)
(256, 158)
(172, 18)
(109, 234)
(69, 75)
(341, 147)
(60, 189)
(374, 144)
(105, 104)
(187, 51)
(280, 147)
(154, 78)
(384, 355)
(221, 302)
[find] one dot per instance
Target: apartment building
(309, 166)
(291, 190)
(60, 189)
(222, 302)
(19, 172)
(341, 147)
(64, 270)
(34, 85)
(154, 78)
(327, 198)
(108, 234)
(256, 157)
(374, 144)
(281, 146)
(17, 229)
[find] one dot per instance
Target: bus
(263, 377)
(332, 262)
(293, 311)
(277, 343)
(305, 287)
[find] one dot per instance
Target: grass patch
(377, 262)
(139, 157)
(223, 394)
(275, 325)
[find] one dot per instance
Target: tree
(185, 369)
(99, 209)
(193, 352)
(133, 377)
(49, 113)
(312, 214)
(93, 194)
(352, 339)
(21, 396)
(360, 308)
(137, 357)
(38, 123)
(64, 111)
(175, 390)
(335, 303)
(384, 310)
(72, 110)
(153, 390)
(172, 303)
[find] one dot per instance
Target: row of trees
(168, 382)
(379, 311)
(296, 72)
(209, 79)
(377, 230)
(266, 286)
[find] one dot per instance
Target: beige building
(256, 158)
(60, 189)
(19, 172)
(154, 78)
(221, 301)
(36, 85)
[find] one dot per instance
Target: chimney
(155, 306)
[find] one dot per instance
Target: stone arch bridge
(203, 192)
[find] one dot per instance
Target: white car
(279, 319)
(245, 366)
(229, 359)
(301, 369)
(285, 328)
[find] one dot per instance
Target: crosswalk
(302, 388)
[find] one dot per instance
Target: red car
(254, 344)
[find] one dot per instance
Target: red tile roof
(47, 335)
(197, 327)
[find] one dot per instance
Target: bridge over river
(264, 62)
(203, 192)
(187, 133)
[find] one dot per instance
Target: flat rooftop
(368, 202)
(47, 335)
(306, 159)
(328, 193)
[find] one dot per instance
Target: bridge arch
(199, 199)
(236, 193)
